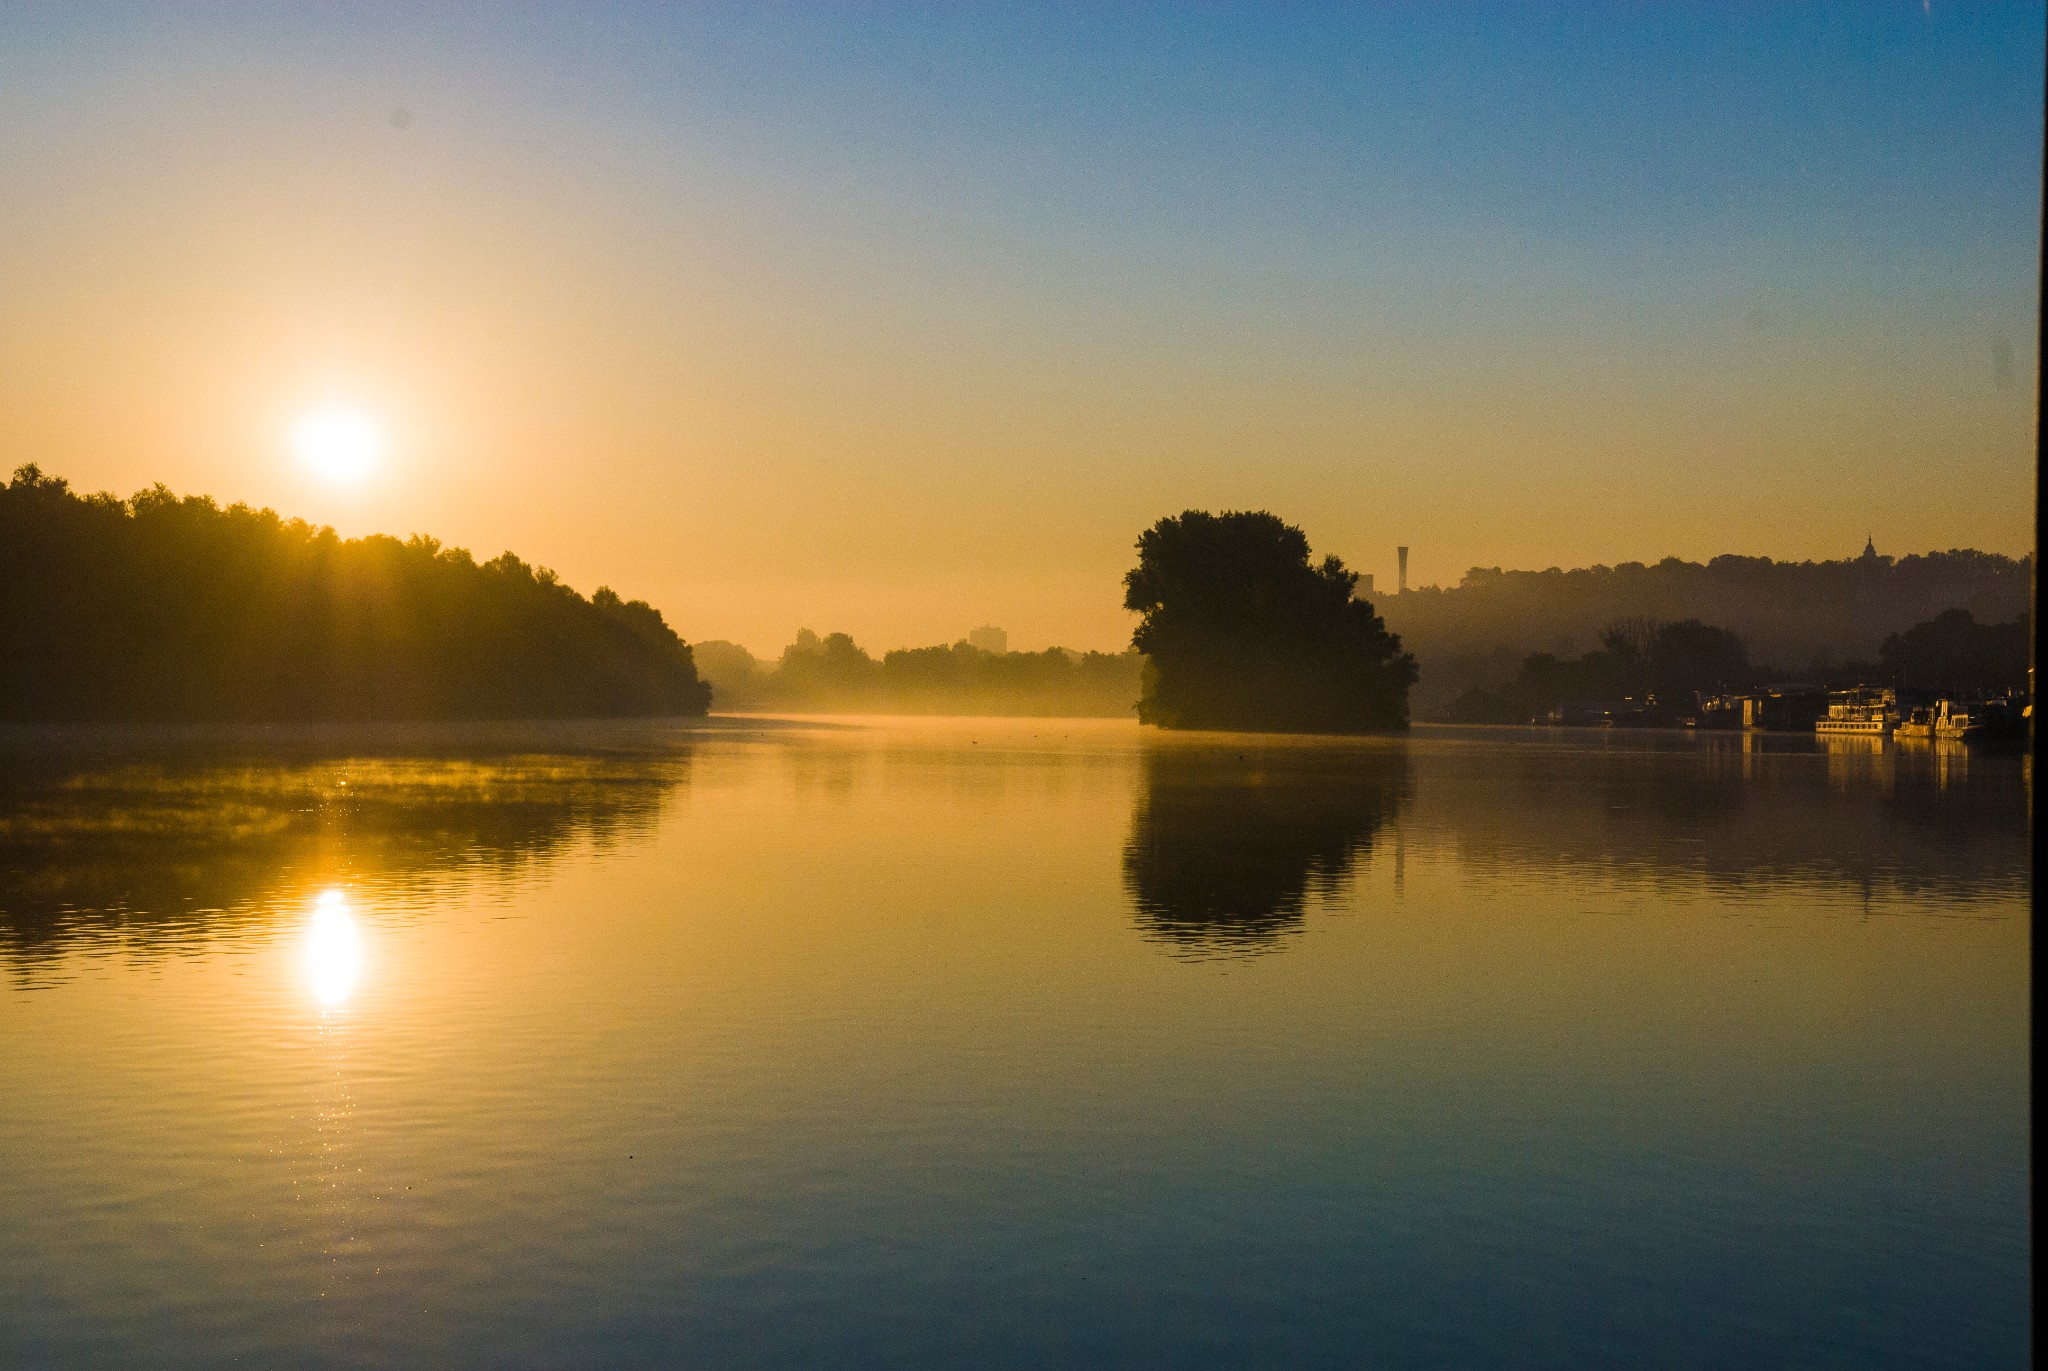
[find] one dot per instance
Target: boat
(1866, 711)
(1969, 720)
(1917, 723)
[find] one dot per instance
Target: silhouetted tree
(170, 607)
(1241, 631)
(1689, 657)
(1952, 651)
(738, 679)
(1674, 662)
(1628, 641)
(1547, 680)
(833, 667)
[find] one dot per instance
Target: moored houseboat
(1866, 711)
(1969, 720)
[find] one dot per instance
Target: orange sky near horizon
(856, 355)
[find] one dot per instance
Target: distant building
(989, 638)
(1365, 586)
(1401, 557)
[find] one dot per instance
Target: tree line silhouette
(834, 673)
(1812, 620)
(1676, 663)
(168, 607)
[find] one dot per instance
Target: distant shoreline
(615, 734)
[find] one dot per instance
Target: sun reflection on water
(333, 950)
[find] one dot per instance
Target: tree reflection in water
(152, 846)
(1229, 843)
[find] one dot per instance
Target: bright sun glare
(340, 445)
(333, 950)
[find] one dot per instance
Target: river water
(870, 1043)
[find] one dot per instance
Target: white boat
(1866, 711)
(1968, 720)
(1919, 723)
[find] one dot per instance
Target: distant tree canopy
(1952, 651)
(1241, 631)
(834, 673)
(1678, 659)
(171, 608)
(1677, 663)
(1797, 615)
(1638, 659)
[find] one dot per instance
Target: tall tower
(1401, 555)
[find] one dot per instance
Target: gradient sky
(900, 320)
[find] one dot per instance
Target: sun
(340, 446)
(333, 949)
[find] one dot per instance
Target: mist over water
(1010, 1043)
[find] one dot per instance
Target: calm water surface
(1026, 1043)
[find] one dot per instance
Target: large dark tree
(1242, 631)
(1638, 657)
(1673, 661)
(1952, 651)
(171, 608)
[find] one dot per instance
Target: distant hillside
(1789, 614)
(171, 608)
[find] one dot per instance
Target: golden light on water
(340, 446)
(333, 955)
